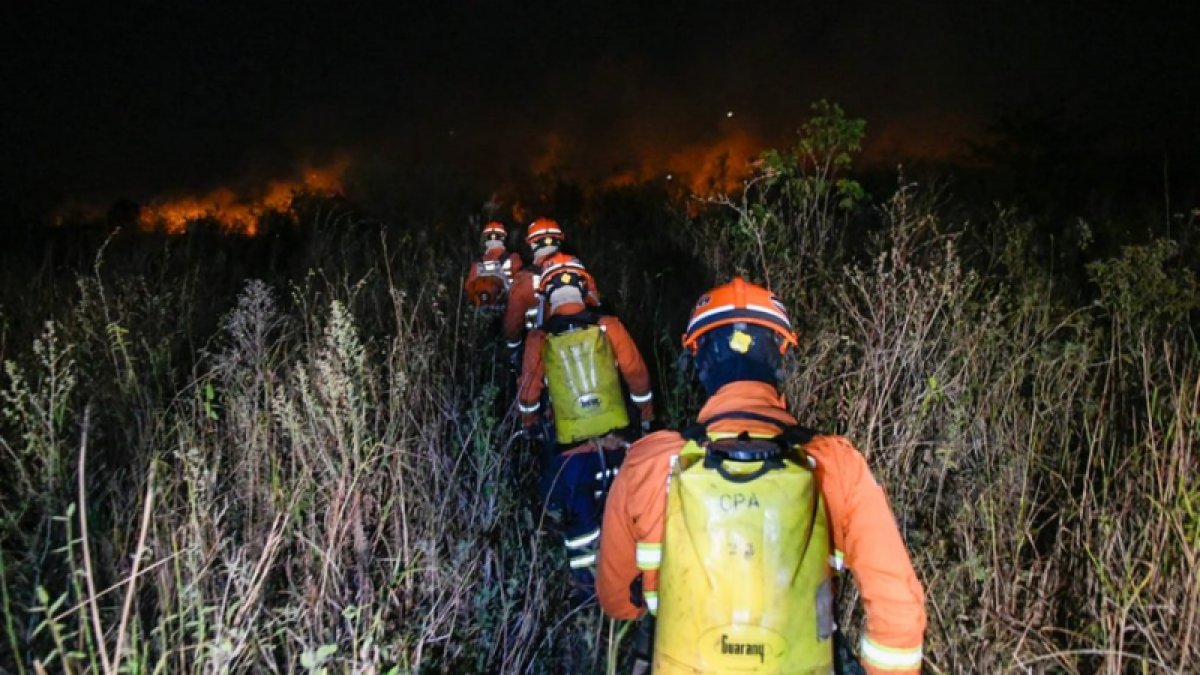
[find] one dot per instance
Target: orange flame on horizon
(236, 212)
(706, 169)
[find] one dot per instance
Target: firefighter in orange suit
(579, 358)
(493, 274)
(544, 237)
(737, 335)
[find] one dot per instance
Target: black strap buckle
(771, 452)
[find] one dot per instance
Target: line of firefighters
(726, 537)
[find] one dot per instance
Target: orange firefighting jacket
(629, 362)
(864, 530)
(474, 288)
(522, 297)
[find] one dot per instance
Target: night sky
(110, 100)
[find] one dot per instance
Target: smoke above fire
(238, 210)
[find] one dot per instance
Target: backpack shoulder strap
(589, 317)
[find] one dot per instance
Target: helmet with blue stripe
(738, 331)
(738, 301)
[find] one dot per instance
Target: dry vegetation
(296, 453)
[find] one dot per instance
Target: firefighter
(544, 237)
(732, 532)
(580, 357)
(490, 277)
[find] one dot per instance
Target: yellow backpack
(584, 385)
(744, 585)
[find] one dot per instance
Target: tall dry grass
(329, 484)
(1038, 444)
(296, 453)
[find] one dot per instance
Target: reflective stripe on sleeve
(649, 556)
(889, 658)
(537, 405)
(513, 345)
(644, 398)
(583, 539)
(586, 560)
(651, 598)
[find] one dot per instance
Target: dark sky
(137, 99)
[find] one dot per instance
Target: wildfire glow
(239, 211)
(705, 169)
(551, 157)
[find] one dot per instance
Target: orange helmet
(738, 301)
(494, 231)
(544, 232)
(562, 269)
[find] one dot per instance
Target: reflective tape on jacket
(536, 406)
(586, 560)
(649, 555)
(651, 598)
(583, 539)
(889, 658)
(644, 398)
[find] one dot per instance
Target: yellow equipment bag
(744, 585)
(584, 385)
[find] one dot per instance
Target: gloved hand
(514, 359)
